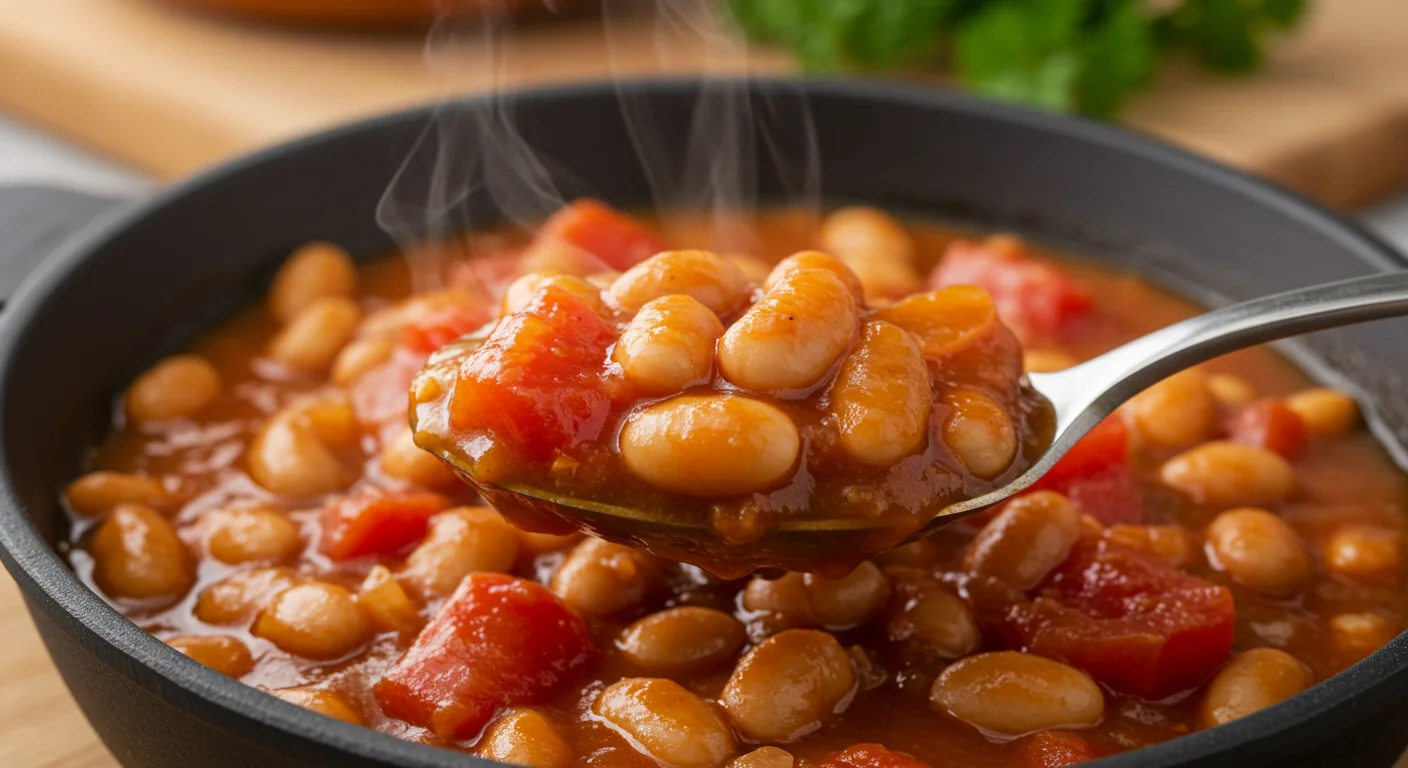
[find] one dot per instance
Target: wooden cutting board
(171, 91)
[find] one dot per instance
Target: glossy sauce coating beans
(669, 344)
(710, 445)
(980, 433)
(250, 534)
(792, 336)
(525, 737)
(682, 638)
(1030, 536)
(1258, 549)
(848, 601)
(290, 457)
(804, 260)
(460, 542)
(328, 703)
(176, 388)
(1012, 694)
(315, 336)
(137, 554)
(1325, 412)
(315, 620)
(1228, 474)
(669, 723)
(1365, 553)
(315, 271)
(235, 599)
(788, 684)
(98, 492)
(935, 621)
(707, 278)
(1176, 412)
(1250, 682)
(598, 578)
(222, 653)
(881, 397)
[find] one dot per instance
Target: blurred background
(119, 97)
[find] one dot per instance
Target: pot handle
(36, 220)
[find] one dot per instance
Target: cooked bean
(404, 460)
(937, 623)
(178, 387)
(951, 320)
(328, 703)
(534, 544)
(359, 357)
(882, 397)
(1258, 550)
(526, 737)
(848, 601)
(764, 757)
(753, 268)
(289, 457)
(792, 336)
(712, 445)
(884, 280)
(1229, 474)
(250, 533)
(1252, 681)
(667, 722)
(916, 554)
(1012, 693)
(1365, 553)
(1176, 412)
(979, 433)
(861, 231)
(312, 340)
(785, 595)
(386, 603)
(669, 344)
(1030, 536)
(222, 653)
(599, 578)
(525, 288)
(314, 620)
(1230, 390)
(314, 271)
(815, 260)
(1171, 543)
(236, 599)
(1047, 361)
(1325, 412)
(789, 683)
(682, 638)
(706, 277)
(460, 541)
(98, 492)
(137, 554)
(1356, 635)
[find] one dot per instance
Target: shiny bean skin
(668, 345)
(387, 606)
(785, 595)
(313, 339)
(1230, 390)
(178, 387)
(794, 334)
(359, 357)
(979, 433)
(328, 703)
(1252, 681)
(459, 542)
(1012, 694)
(599, 578)
(1177, 411)
(1228, 474)
(788, 684)
(1171, 543)
(682, 638)
(246, 534)
(289, 457)
(704, 276)
(314, 620)
(710, 445)
(764, 757)
(522, 291)
(404, 460)
(1325, 412)
(222, 653)
(1258, 550)
(1030, 536)
(314, 271)
(848, 601)
(521, 736)
(236, 599)
(815, 260)
(1365, 553)
(936, 623)
(1356, 635)
(882, 396)
(667, 722)
(137, 554)
(96, 493)
(865, 232)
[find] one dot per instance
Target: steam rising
(469, 151)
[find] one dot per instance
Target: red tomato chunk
(1096, 477)
(1055, 749)
(1032, 297)
(538, 380)
(1271, 425)
(1132, 622)
(498, 642)
(376, 524)
(615, 238)
(434, 330)
(873, 756)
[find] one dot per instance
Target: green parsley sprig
(1069, 55)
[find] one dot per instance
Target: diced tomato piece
(1130, 620)
(381, 395)
(1055, 749)
(498, 642)
(1096, 477)
(1271, 425)
(435, 329)
(618, 240)
(376, 523)
(537, 383)
(1035, 298)
(873, 756)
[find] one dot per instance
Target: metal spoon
(1082, 396)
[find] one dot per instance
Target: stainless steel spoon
(1082, 396)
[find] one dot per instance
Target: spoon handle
(1085, 394)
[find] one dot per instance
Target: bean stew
(1230, 537)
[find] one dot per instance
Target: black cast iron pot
(141, 280)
